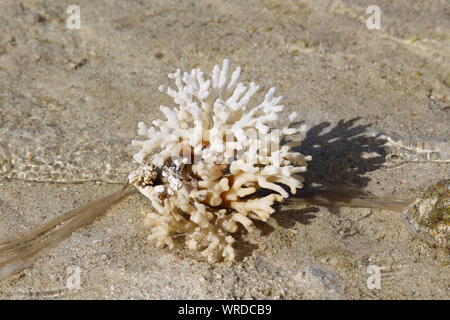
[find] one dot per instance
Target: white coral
(208, 159)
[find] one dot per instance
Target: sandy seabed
(70, 101)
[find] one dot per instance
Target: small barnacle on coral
(201, 168)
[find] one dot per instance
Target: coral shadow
(340, 154)
(341, 157)
(289, 218)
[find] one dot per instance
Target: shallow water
(46, 154)
(52, 157)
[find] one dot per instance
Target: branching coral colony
(201, 168)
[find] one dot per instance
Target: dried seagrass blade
(348, 198)
(18, 253)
